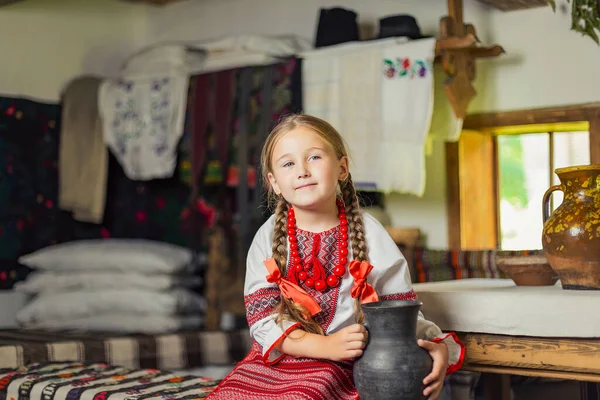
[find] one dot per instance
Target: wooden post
(594, 121)
(458, 61)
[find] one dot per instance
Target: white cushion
(70, 281)
(10, 303)
(122, 323)
(96, 302)
(132, 255)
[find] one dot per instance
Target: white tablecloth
(498, 306)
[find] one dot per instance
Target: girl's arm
(345, 344)
(262, 297)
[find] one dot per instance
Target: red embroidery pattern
(328, 255)
(261, 303)
(290, 378)
(411, 295)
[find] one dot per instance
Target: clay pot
(528, 270)
(392, 366)
(571, 234)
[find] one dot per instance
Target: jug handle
(367, 328)
(546, 201)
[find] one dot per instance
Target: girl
(310, 267)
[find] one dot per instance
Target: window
(521, 148)
(526, 164)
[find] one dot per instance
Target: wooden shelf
(512, 5)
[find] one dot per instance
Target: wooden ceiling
(6, 2)
(155, 2)
(512, 5)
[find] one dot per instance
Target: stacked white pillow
(112, 285)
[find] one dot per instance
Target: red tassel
(318, 269)
(293, 275)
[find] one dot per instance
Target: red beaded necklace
(318, 278)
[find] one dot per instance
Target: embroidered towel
(143, 113)
(341, 84)
(406, 108)
(379, 95)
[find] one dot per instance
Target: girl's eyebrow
(288, 154)
(283, 156)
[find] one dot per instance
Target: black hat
(399, 26)
(336, 25)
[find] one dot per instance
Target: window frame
(470, 227)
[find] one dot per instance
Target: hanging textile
(206, 90)
(29, 216)
(28, 176)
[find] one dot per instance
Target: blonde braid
(280, 234)
(356, 234)
(287, 310)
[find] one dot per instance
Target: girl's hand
(346, 343)
(434, 382)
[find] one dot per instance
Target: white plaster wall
(546, 63)
(45, 43)
(205, 19)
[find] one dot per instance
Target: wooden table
(510, 330)
(561, 358)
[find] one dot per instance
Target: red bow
(360, 270)
(291, 290)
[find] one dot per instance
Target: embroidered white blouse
(390, 278)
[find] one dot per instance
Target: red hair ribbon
(289, 289)
(360, 270)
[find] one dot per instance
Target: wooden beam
(478, 212)
(7, 2)
(453, 196)
(487, 52)
(455, 11)
(594, 132)
(154, 2)
(455, 43)
(576, 355)
(471, 192)
(538, 373)
(572, 113)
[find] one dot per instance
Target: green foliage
(511, 171)
(585, 17)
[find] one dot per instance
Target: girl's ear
(274, 184)
(344, 170)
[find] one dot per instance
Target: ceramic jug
(392, 366)
(571, 233)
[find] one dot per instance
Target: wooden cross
(457, 50)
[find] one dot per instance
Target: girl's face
(306, 170)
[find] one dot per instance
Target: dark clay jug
(392, 366)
